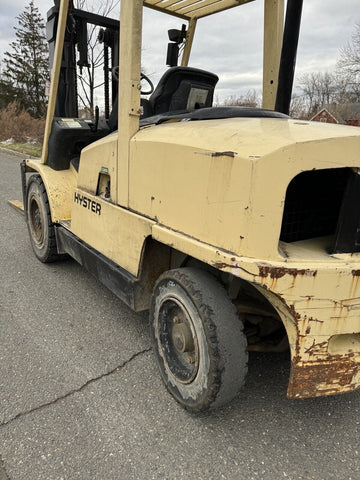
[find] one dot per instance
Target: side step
(118, 280)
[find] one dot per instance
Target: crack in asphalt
(76, 390)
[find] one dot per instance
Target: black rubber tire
(219, 346)
(40, 226)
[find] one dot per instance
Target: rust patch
(278, 272)
(223, 154)
(328, 375)
(314, 379)
(311, 319)
(316, 348)
(354, 283)
(222, 265)
(293, 312)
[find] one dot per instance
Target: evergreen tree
(7, 93)
(26, 66)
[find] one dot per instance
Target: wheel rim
(177, 340)
(36, 220)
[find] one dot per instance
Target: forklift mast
(76, 37)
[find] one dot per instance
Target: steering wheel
(149, 82)
(115, 75)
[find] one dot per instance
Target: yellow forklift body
(60, 186)
(215, 191)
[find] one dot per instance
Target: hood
(250, 138)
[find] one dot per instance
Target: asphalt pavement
(81, 397)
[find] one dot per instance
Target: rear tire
(198, 339)
(40, 226)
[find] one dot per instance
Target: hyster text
(86, 202)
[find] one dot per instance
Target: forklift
(236, 228)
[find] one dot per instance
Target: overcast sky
(230, 43)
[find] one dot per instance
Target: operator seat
(183, 88)
(179, 89)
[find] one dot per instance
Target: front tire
(198, 339)
(40, 226)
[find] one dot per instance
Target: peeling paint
(314, 379)
(223, 154)
(311, 319)
(226, 266)
(323, 373)
(316, 348)
(278, 272)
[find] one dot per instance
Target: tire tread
(224, 332)
(51, 254)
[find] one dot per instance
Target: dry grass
(33, 150)
(20, 126)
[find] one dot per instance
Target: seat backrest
(113, 119)
(180, 88)
(183, 88)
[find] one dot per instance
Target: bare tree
(298, 107)
(349, 64)
(250, 99)
(319, 89)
